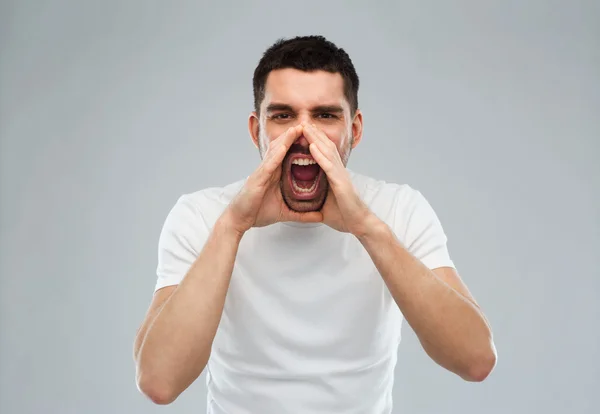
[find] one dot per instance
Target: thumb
(308, 217)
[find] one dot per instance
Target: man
(290, 286)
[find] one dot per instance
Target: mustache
(298, 149)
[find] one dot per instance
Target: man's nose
(302, 141)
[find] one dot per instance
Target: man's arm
(436, 304)
(173, 345)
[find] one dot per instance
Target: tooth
(304, 161)
(304, 190)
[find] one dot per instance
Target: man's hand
(260, 203)
(344, 210)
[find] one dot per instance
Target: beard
(308, 194)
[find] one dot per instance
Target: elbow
(481, 367)
(162, 392)
(162, 382)
(159, 393)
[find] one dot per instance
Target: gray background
(109, 110)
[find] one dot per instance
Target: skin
(314, 98)
(173, 343)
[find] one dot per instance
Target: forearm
(452, 329)
(177, 344)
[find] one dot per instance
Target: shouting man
(290, 286)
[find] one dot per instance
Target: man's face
(292, 97)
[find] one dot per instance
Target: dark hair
(306, 53)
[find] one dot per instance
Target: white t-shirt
(309, 325)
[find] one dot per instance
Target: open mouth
(305, 175)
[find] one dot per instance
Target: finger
(325, 145)
(337, 174)
(317, 135)
(263, 174)
(291, 135)
(311, 134)
(314, 139)
(324, 162)
(286, 139)
(279, 147)
(275, 154)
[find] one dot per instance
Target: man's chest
(324, 301)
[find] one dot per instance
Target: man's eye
(327, 116)
(281, 116)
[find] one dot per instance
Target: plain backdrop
(110, 110)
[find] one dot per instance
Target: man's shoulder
(394, 202)
(214, 195)
(375, 190)
(401, 206)
(208, 203)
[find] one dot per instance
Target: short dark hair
(306, 53)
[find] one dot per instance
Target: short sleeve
(181, 239)
(423, 233)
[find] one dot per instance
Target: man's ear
(357, 128)
(253, 127)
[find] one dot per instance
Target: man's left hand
(344, 210)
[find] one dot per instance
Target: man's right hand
(260, 203)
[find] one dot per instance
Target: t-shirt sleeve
(423, 233)
(181, 239)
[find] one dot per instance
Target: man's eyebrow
(319, 108)
(328, 108)
(279, 107)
